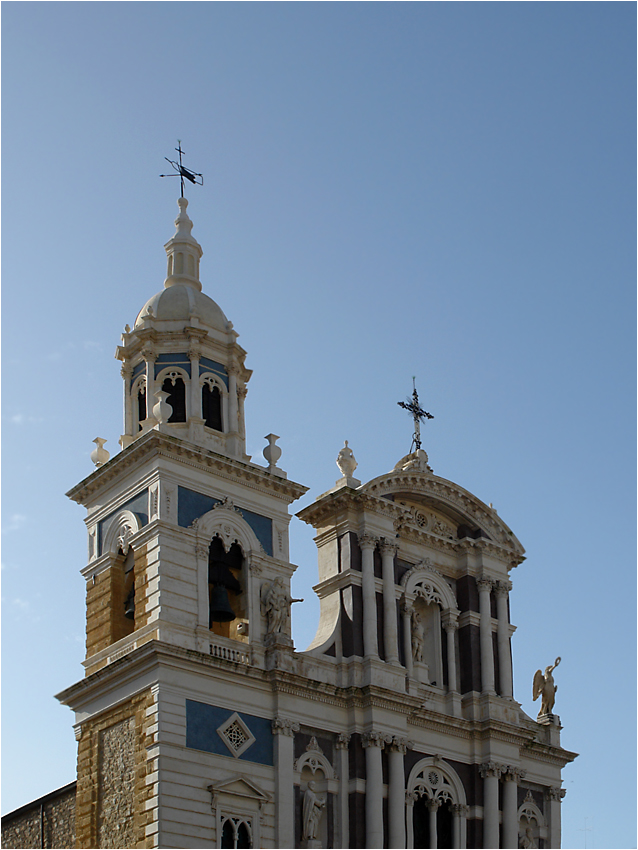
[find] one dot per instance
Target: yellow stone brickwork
(105, 597)
(95, 826)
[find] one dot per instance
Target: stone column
(373, 743)
(554, 795)
(284, 729)
(406, 611)
(459, 814)
(195, 400)
(433, 807)
(233, 424)
(491, 773)
(370, 648)
(127, 373)
(511, 778)
(150, 357)
(396, 792)
(241, 396)
(485, 626)
(388, 551)
(502, 590)
(451, 624)
(343, 816)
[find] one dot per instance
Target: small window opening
(176, 398)
(179, 263)
(191, 265)
(170, 265)
(212, 407)
(141, 407)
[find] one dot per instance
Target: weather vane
(181, 171)
(418, 414)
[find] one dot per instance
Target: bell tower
(187, 548)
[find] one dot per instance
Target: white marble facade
(398, 726)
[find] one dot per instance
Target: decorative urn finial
(272, 452)
(346, 461)
(162, 410)
(100, 455)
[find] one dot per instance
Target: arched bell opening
(226, 598)
(141, 406)
(176, 389)
(212, 406)
(123, 601)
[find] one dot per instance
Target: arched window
(224, 586)
(174, 386)
(236, 834)
(211, 405)
(436, 806)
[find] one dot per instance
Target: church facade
(198, 722)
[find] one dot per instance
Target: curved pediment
(441, 507)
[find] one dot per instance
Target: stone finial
(162, 410)
(100, 455)
(272, 452)
(346, 461)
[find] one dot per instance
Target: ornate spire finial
(418, 414)
(181, 171)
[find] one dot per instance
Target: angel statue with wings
(545, 688)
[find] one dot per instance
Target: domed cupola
(183, 370)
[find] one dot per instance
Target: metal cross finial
(181, 171)
(418, 414)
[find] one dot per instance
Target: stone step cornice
(155, 444)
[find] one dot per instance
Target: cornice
(162, 445)
(404, 522)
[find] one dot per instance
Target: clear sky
(443, 190)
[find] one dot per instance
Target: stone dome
(178, 303)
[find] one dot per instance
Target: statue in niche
(276, 602)
(545, 688)
(418, 637)
(313, 806)
(527, 841)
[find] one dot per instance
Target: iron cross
(418, 414)
(181, 171)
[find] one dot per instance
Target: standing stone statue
(544, 686)
(276, 603)
(312, 810)
(418, 637)
(346, 462)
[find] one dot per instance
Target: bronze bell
(220, 610)
(129, 605)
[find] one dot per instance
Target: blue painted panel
(137, 505)
(192, 505)
(138, 370)
(206, 365)
(203, 721)
(165, 360)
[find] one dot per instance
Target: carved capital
(284, 726)
(450, 621)
(555, 794)
(373, 739)
(149, 355)
(399, 745)
(411, 797)
(194, 352)
(388, 548)
(484, 584)
(502, 588)
(233, 369)
(433, 805)
(406, 609)
(460, 810)
(367, 541)
(242, 392)
(490, 768)
(513, 774)
(343, 741)
(126, 371)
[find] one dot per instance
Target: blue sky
(444, 190)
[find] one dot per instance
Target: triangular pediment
(239, 786)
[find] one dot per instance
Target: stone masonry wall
(112, 771)
(48, 822)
